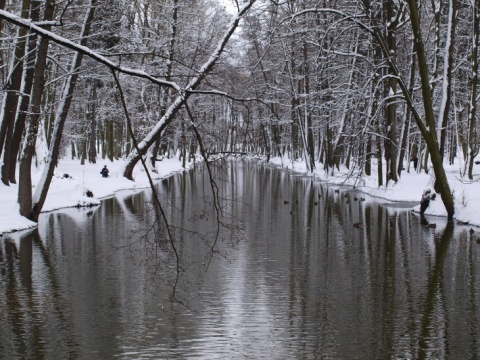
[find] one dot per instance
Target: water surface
(298, 270)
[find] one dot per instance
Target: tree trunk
(294, 128)
(92, 148)
(430, 136)
(408, 116)
(168, 77)
(427, 128)
(2, 7)
(25, 180)
(447, 74)
(390, 142)
(10, 101)
(62, 113)
(83, 152)
(29, 72)
(308, 114)
(472, 138)
(368, 156)
(425, 159)
(379, 156)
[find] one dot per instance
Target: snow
(15, 19)
(70, 185)
(68, 192)
(409, 188)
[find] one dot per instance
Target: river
(284, 267)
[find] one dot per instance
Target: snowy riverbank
(71, 191)
(70, 184)
(409, 188)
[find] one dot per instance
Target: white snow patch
(68, 192)
(70, 185)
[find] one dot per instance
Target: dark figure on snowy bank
(104, 171)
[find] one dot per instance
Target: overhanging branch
(16, 20)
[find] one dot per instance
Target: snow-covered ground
(70, 185)
(409, 188)
(72, 181)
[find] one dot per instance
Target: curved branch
(152, 186)
(213, 184)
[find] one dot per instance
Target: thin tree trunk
(390, 142)
(308, 115)
(2, 7)
(368, 156)
(472, 138)
(447, 74)
(92, 149)
(408, 115)
(379, 156)
(294, 130)
(83, 152)
(339, 142)
(168, 77)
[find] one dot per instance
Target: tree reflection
(434, 299)
(25, 295)
(305, 283)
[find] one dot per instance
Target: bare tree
(10, 101)
(62, 112)
(184, 94)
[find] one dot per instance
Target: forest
(336, 83)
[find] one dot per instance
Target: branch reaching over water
(213, 184)
(155, 195)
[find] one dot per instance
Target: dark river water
(282, 268)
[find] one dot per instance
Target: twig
(155, 195)
(213, 184)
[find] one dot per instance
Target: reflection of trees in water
(402, 290)
(417, 301)
(400, 299)
(385, 288)
(35, 310)
(435, 302)
(472, 292)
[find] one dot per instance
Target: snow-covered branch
(356, 18)
(183, 95)
(14, 19)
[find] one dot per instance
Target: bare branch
(152, 185)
